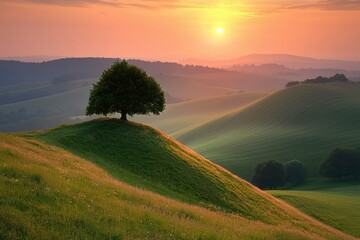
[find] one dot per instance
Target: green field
(303, 122)
(70, 198)
(336, 204)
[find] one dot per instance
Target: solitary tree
(125, 89)
(295, 171)
(270, 174)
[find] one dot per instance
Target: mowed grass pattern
(336, 204)
(180, 117)
(48, 193)
(302, 122)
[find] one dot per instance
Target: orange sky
(176, 30)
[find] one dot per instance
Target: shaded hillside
(302, 122)
(48, 193)
(180, 117)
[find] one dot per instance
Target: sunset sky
(175, 29)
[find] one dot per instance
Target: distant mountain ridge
(290, 61)
(13, 72)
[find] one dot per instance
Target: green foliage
(269, 175)
(295, 172)
(342, 163)
(125, 89)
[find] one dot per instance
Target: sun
(219, 30)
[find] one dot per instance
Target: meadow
(69, 197)
(334, 203)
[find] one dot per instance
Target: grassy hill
(303, 122)
(69, 197)
(144, 157)
(336, 204)
(180, 117)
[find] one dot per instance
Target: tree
(295, 172)
(294, 83)
(125, 89)
(270, 174)
(341, 163)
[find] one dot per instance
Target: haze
(175, 30)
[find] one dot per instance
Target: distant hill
(43, 95)
(180, 117)
(301, 122)
(290, 61)
(69, 197)
(277, 70)
(15, 72)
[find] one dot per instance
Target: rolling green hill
(180, 117)
(302, 122)
(48, 192)
(144, 157)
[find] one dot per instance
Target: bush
(269, 175)
(341, 163)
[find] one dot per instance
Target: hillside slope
(180, 117)
(303, 122)
(48, 193)
(144, 157)
(336, 204)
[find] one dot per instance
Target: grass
(49, 193)
(180, 117)
(302, 122)
(336, 204)
(144, 157)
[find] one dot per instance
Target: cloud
(329, 5)
(146, 4)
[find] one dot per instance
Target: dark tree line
(273, 174)
(336, 78)
(342, 163)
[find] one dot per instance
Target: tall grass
(48, 193)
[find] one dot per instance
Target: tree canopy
(342, 163)
(269, 175)
(295, 172)
(336, 78)
(125, 89)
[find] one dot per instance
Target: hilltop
(144, 157)
(69, 197)
(301, 122)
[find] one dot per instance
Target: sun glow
(219, 30)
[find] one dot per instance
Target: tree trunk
(123, 116)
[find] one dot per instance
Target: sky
(173, 30)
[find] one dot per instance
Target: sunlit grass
(336, 204)
(48, 193)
